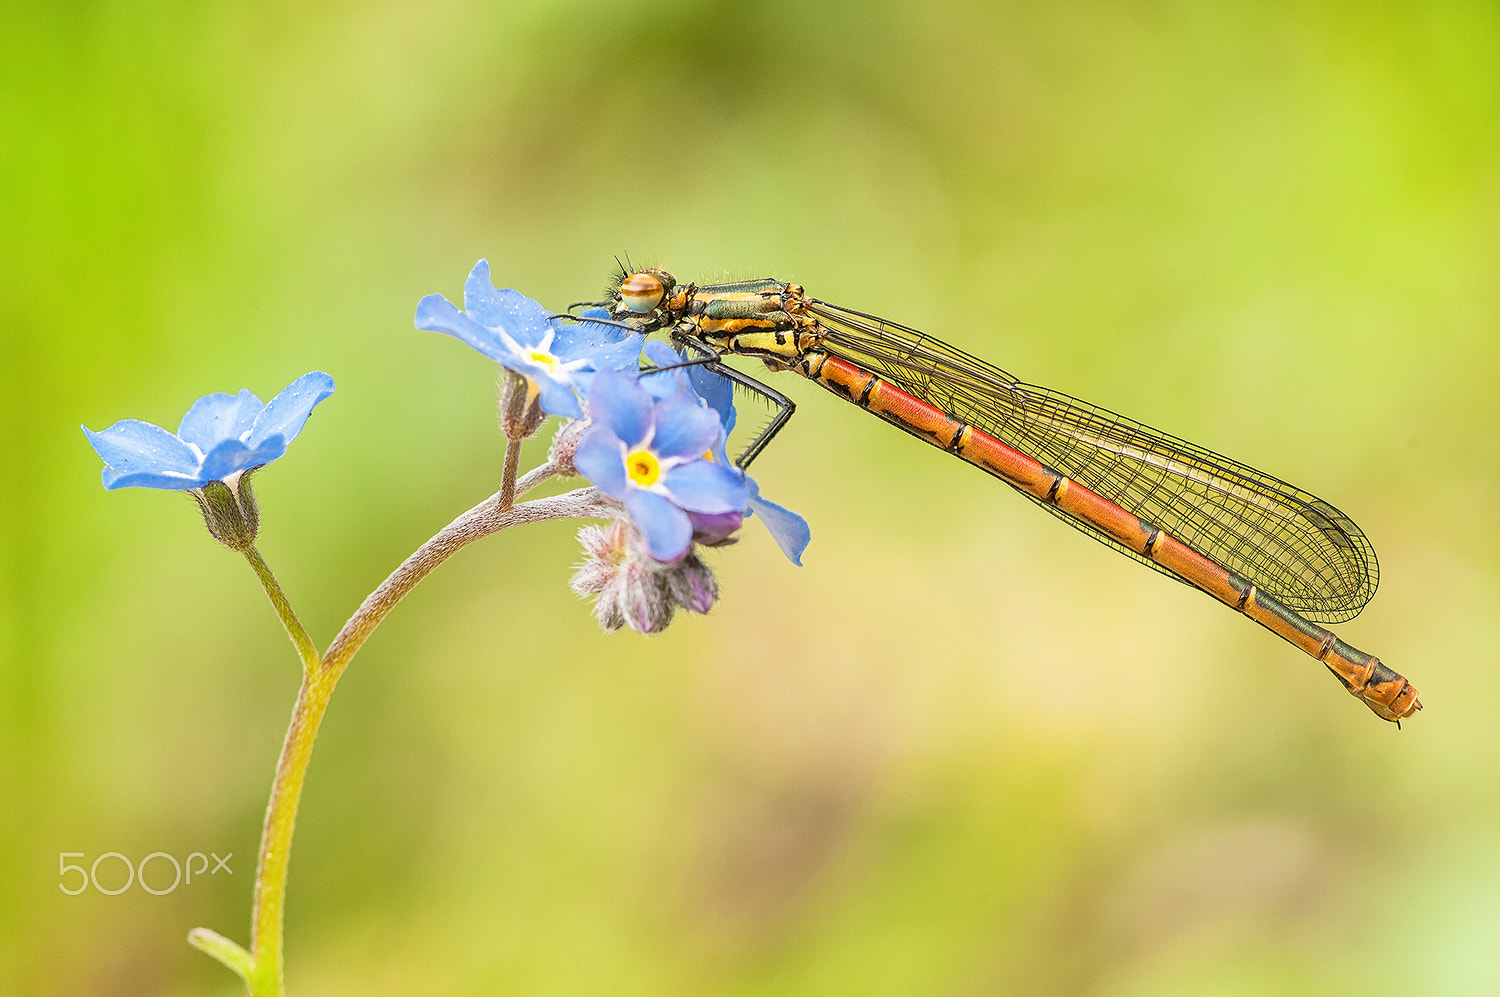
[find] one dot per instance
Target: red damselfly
(1279, 555)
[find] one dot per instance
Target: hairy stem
(294, 628)
(507, 496)
(262, 966)
(484, 519)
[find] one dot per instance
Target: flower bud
(565, 445)
(692, 585)
(632, 588)
(521, 412)
(715, 529)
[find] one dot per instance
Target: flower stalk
(262, 966)
(655, 454)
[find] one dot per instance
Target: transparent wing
(1291, 544)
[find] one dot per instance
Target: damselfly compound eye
(642, 292)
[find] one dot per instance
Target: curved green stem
(261, 967)
(294, 628)
(224, 950)
(266, 929)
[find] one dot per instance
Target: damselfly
(1269, 550)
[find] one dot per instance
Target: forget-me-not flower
(652, 455)
(557, 358)
(219, 441)
(220, 436)
(789, 530)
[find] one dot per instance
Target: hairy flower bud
(634, 589)
(565, 445)
(521, 412)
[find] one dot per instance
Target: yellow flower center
(542, 359)
(643, 468)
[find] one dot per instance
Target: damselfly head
(644, 291)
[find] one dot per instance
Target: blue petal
(287, 413)
(661, 355)
(614, 354)
(583, 382)
(717, 451)
(586, 336)
(715, 389)
(219, 416)
(789, 530)
(704, 486)
(152, 479)
(526, 320)
(436, 313)
(600, 457)
(557, 398)
(684, 427)
(620, 403)
(479, 296)
(132, 446)
(523, 318)
(232, 455)
(667, 530)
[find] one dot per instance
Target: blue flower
(558, 360)
(220, 436)
(789, 530)
(651, 455)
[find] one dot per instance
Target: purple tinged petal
(219, 416)
(436, 313)
(704, 486)
(710, 528)
(600, 457)
(287, 413)
(684, 427)
(665, 527)
(620, 403)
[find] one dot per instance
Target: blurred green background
(964, 750)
